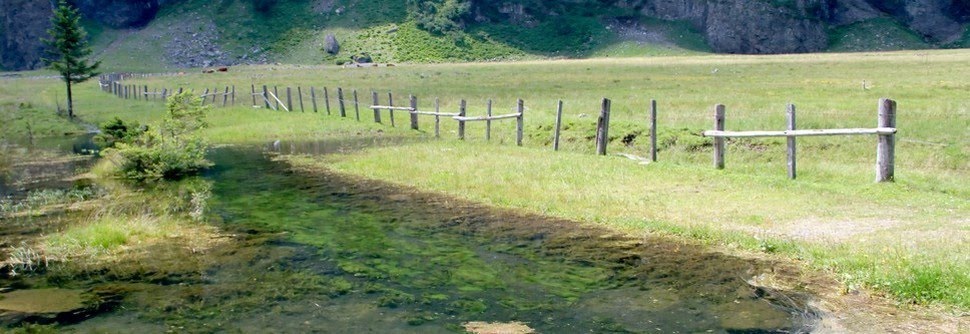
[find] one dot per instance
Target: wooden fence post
(216, 94)
(356, 106)
(225, 97)
(653, 130)
(414, 114)
(313, 98)
(488, 121)
(886, 149)
(266, 97)
(555, 137)
(204, 97)
(253, 88)
(289, 99)
(791, 143)
(164, 94)
(377, 112)
(326, 99)
(276, 93)
(299, 93)
(390, 103)
(181, 90)
(437, 119)
(233, 97)
(719, 141)
(340, 102)
(603, 128)
(461, 124)
(520, 123)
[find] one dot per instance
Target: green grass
(102, 235)
(906, 239)
(750, 210)
(879, 34)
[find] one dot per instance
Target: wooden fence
(885, 149)
(271, 99)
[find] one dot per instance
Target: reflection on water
(317, 252)
(43, 163)
(323, 147)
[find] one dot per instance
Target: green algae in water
(335, 255)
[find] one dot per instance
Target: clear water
(320, 252)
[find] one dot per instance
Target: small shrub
(171, 151)
(117, 131)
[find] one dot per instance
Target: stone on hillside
(330, 44)
(362, 58)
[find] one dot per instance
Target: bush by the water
(171, 150)
(117, 131)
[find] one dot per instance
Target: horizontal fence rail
(885, 150)
(799, 133)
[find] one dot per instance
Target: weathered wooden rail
(885, 149)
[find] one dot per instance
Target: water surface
(314, 251)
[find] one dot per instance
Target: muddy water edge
(311, 250)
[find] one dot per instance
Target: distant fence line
(263, 97)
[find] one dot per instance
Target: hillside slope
(162, 34)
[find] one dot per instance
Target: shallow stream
(314, 251)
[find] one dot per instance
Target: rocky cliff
(23, 23)
(119, 13)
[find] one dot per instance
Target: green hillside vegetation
(293, 31)
(880, 34)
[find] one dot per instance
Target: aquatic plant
(23, 259)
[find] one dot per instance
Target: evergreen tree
(69, 49)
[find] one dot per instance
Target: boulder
(330, 44)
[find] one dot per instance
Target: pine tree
(69, 49)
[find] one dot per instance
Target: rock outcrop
(935, 19)
(22, 25)
(119, 13)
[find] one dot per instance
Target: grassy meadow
(908, 239)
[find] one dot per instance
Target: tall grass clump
(171, 150)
